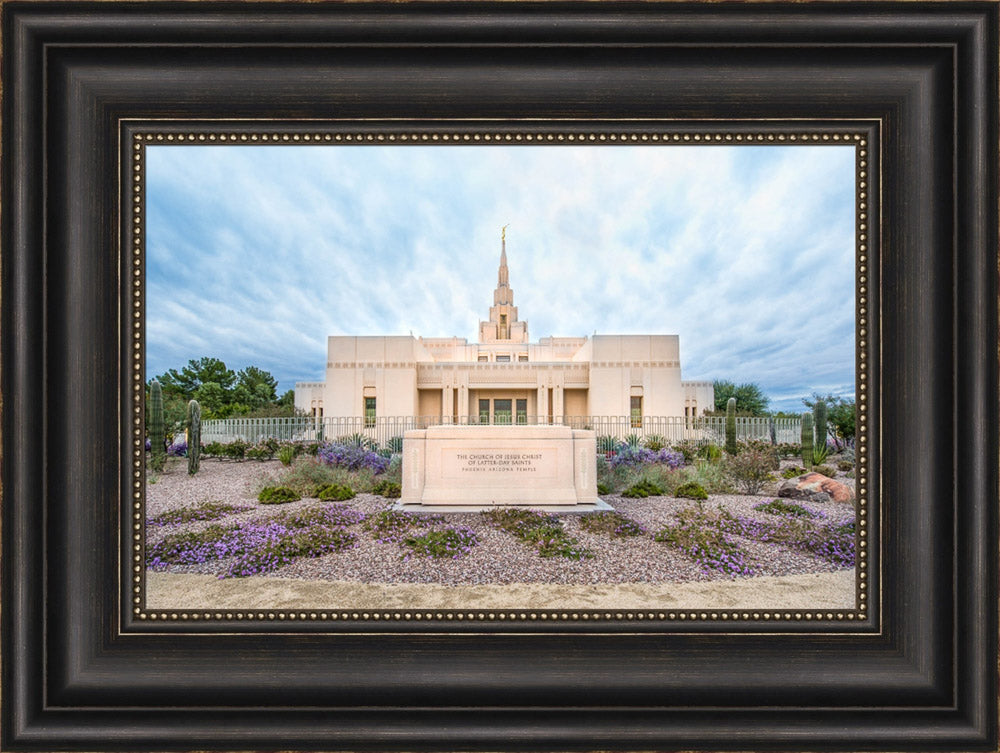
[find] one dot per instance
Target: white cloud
(256, 254)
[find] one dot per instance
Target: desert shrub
(178, 449)
(702, 535)
(845, 465)
(611, 523)
(212, 449)
(826, 470)
(544, 532)
(789, 449)
(603, 488)
(781, 507)
(688, 448)
(831, 540)
(606, 444)
(393, 445)
(334, 493)
(278, 495)
(820, 453)
(356, 440)
(711, 475)
(654, 442)
(194, 547)
(847, 454)
(352, 457)
(792, 471)
(286, 454)
(259, 452)
(644, 488)
(389, 525)
(641, 456)
(452, 542)
(211, 510)
(750, 469)
(710, 451)
(234, 450)
(691, 490)
(387, 489)
(307, 473)
(281, 547)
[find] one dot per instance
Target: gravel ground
(498, 559)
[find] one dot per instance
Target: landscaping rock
(815, 487)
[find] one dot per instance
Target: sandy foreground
(811, 591)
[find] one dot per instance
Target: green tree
(840, 414)
(260, 384)
(750, 398)
(186, 382)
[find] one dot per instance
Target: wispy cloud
(256, 254)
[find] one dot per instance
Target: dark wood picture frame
(79, 672)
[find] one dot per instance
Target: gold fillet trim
(134, 233)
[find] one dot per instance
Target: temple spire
(503, 324)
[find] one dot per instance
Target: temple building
(504, 378)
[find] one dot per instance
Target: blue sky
(255, 254)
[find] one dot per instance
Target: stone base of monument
(477, 467)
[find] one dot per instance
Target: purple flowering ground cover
(656, 539)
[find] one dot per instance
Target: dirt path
(811, 591)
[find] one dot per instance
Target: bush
(789, 449)
(356, 440)
(452, 542)
(691, 490)
(710, 451)
(792, 471)
(845, 465)
(278, 495)
(286, 454)
(234, 450)
(688, 448)
(544, 532)
(307, 473)
(644, 488)
(655, 442)
(283, 546)
(781, 507)
(751, 469)
(710, 475)
(259, 452)
(826, 470)
(352, 457)
(611, 523)
(638, 456)
(387, 489)
(334, 493)
(606, 444)
(178, 449)
(702, 536)
(389, 525)
(603, 488)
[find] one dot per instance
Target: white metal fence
(386, 432)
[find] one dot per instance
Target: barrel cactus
(194, 437)
(157, 436)
(807, 440)
(731, 426)
(819, 418)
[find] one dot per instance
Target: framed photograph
(288, 465)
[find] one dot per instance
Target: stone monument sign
(489, 465)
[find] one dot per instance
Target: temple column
(447, 403)
(542, 407)
(557, 404)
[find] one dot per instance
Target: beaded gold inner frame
(135, 137)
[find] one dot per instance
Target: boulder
(815, 487)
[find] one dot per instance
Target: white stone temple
(504, 378)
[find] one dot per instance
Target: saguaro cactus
(807, 440)
(158, 453)
(731, 426)
(194, 437)
(819, 416)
